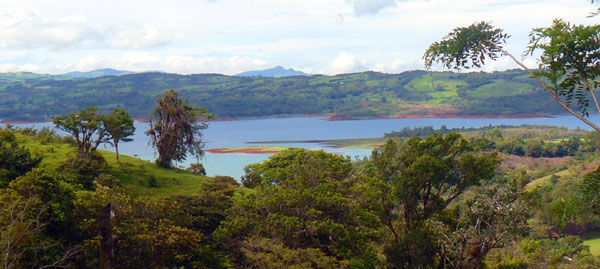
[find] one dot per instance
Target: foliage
(494, 217)
(467, 46)
(208, 207)
(36, 222)
(91, 129)
(590, 190)
(425, 175)
(418, 248)
(566, 252)
(86, 127)
(359, 95)
(15, 160)
(152, 232)
(83, 170)
(119, 125)
(569, 60)
(270, 253)
(197, 169)
(302, 199)
(177, 131)
(56, 196)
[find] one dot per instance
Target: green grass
(544, 180)
(501, 87)
(594, 245)
(132, 172)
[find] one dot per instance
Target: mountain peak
(97, 73)
(277, 71)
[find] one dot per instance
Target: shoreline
(442, 116)
(331, 117)
(241, 151)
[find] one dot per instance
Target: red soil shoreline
(338, 118)
(244, 151)
(443, 116)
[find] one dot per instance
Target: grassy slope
(545, 180)
(594, 245)
(132, 172)
(360, 95)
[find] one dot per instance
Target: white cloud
(370, 7)
(139, 37)
(28, 29)
(183, 64)
(394, 66)
(343, 63)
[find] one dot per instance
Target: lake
(226, 134)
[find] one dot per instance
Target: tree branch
(560, 102)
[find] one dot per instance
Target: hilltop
(97, 73)
(273, 72)
(27, 96)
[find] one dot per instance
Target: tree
(495, 216)
(303, 203)
(35, 222)
(426, 175)
(151, 232)
(411, 183)
(86, 126)
(178, 129)
(15, 161)
(569, 59)
(119, 125)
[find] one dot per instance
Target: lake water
(225, 134)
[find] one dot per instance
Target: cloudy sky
(232, 36)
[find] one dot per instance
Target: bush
(83, 170)
(15, 161)
(196, 169)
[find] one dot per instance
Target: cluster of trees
(437, 201)
(366, 94)
(176, 134)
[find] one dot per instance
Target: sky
(232, 36)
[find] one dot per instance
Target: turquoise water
(225, 134)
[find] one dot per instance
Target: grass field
(594, 245)
(132, 172)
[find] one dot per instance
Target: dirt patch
(242, 151)
(511, 162)
(424, 109)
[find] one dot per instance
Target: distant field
(28, 96)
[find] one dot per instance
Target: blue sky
(232, 36)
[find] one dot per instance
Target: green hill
(360, 95)
(131, 172)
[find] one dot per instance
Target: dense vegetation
(434, 201)
(26, 96)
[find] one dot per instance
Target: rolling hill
(28, 96)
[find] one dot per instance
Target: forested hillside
(27, 96)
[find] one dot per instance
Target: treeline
(429, 130)
(367, 94)
(524, 140)
(433, 202)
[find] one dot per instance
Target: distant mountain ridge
(275, 72)
(97, 73)
(28, 96)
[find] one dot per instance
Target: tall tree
(569, 60)
(416, 180)
(86, 126)
(426, 175)
(119, 125)
(177, 131)
(302, 212)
